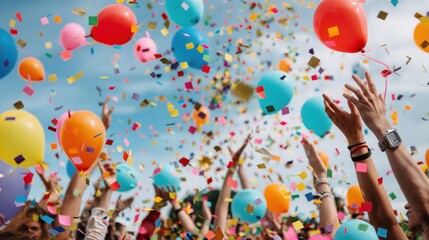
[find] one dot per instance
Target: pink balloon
(72, 36)
(145, 49)
(59, 125)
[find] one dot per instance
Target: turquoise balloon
(185, 12)
(126, 176)
(249, 197)
(314, 116)
(166, 176)
(192, 56)
(8, 53)
(355, 229)
(71, 169)
(274, 91)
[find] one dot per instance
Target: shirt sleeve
(148, 225)
(96, 228)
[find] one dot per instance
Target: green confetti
(93, 20)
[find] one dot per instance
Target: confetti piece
(361, 167)
(314, 61)
(333, 31)
(382, 15)
(297, 225)
(381, 232)
(44, 20)
(64, 220)
(18, 105)
(93, 21)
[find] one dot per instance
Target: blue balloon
(246, 200)
(11, 187)
(275, 90)
(71, 169)
(8, 53)
(166, 176)
(314, 116)
(185, 12)
(126, 176)
(193, 56)
(355, 229)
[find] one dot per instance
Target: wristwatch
(391, 139)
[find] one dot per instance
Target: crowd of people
(211, 217)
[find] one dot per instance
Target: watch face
(393, 139)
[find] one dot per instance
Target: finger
(230, 150)
(100, 165)
(356, 91)
(352, 99)
(111, 111)
(353, 108)
(105, 104)
(381, 97)
(361, 84)
(371, 84)
(332, 105)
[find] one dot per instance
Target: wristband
(357, 148)
(362, 157)
(320, 181)
(354, 145)
(325, 195)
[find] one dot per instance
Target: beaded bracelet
(320, 181)
(325, 195)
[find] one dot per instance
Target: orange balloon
(201, 116)
(31, 69)
(277, 197)
(324, 157)
(421, 36)
(284, 65)
(341, 25)
(354, 197)
(82, 138)
(427, 157)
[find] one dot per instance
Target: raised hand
(315, 162)
(123, 204)
(370, 104)
(350, 124)
(236, 155)
(106, 113)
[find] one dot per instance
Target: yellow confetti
(158, 199)
(302, 175)
(300, 186)
(253, 16)
(184, 65)
(12, 23)
(333, 31)
(134, 28)
(189, 45)
(228, 57)
(52, 78)
(164, 31)
(297, 225)
(48, 45)
(200, 49)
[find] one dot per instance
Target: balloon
(59, 125)
(314, 116)
(145, 49)
(275, 91)
(284, 65)
(82, 138)
(165, 175)
(249, 206)
(8, 53)
(277, 197)
(355, 229)
(186, 12)
(324, 157)
(11, 187)
(341, 25)
(31, 68)
(114, 27)
(72, 36)
(359, 69)
(354, 197)
(201, 116)
(421, 35)
(22, 139)
(70, 168)
(190, 45)
(126, 176)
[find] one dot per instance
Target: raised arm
(327, 209)
(350, 124)
(52, 193)
(106, 113)
(207, 214)
(187, 222)
(221, 210)
(245, 184)
(413, 182)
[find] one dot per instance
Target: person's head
(28, 222)
(413, 223)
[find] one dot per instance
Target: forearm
(72, 202)
(245, 184)
(185, 219)
(222, 205)
(205, 228)
(413, 182)
(327, 209)
(104, 200)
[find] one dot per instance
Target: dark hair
(14, 227)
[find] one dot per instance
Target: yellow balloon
(421, 35)
(22, 139)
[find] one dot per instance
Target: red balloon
(114, 25)
(341, 25)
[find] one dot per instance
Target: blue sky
(396, 33)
